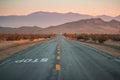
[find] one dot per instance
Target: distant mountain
(42, 19)
(94, 25)
(45, 19)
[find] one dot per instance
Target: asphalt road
(60, 59)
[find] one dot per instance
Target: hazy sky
(91, 7)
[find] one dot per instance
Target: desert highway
(60, 59)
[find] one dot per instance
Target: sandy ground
(110, 47)
(8, 48)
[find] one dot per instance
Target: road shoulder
(109, 50)
(15, 48)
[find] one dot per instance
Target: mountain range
(46, 19)
(93, 25)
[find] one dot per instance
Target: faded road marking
(117, 60)
(44, 60)
(31, 60)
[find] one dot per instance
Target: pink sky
(91, 7)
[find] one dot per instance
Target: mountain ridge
(45, 19)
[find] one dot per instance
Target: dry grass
(111, 43)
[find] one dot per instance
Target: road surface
(60, 59)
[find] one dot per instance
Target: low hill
(94, 25)
(21, 30)
(86, 26)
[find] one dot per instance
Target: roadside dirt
(9, 48)
(112, 50)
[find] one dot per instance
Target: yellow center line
(58, 49)
(58, 67)
(58, 58)
(58, 52)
